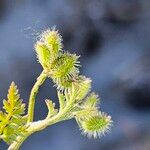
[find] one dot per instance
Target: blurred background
(113, 39)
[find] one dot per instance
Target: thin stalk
(33, 94)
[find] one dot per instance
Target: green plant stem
(42, 124)
(33, 94)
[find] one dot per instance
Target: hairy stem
(40, 125)
(16, 144)
(33, 94)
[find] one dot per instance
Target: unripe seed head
(43, 54)
(96, 125)
(53, 40)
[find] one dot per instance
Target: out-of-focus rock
(123, 12)
(135, 83)
(2, 7)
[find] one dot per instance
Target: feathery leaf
(51, 108)
(11, 120)
(61, 98)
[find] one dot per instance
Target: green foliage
(51, 108)
(62, 102)
(74, 94)
(11, 119)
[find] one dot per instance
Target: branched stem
(74, 95)
(41, 124)
(33, 94)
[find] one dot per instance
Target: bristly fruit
(48, 47)
(97, 125)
